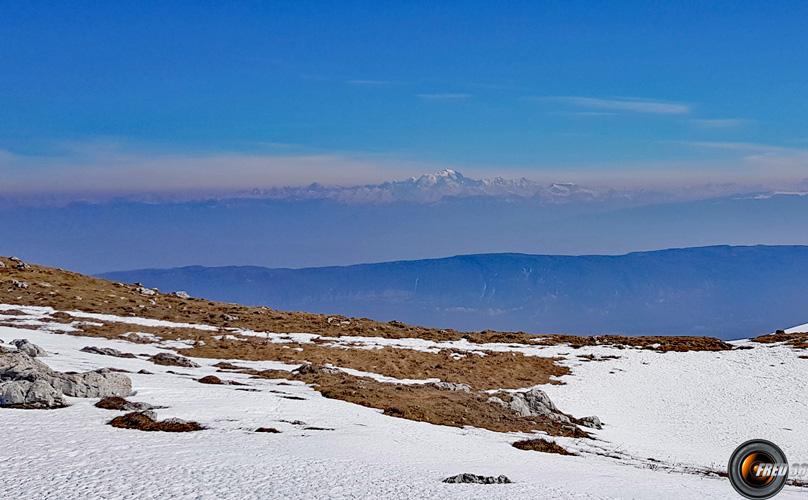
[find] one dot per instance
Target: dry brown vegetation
(425, 403)
(112, 403)
(494, 370)
(143, 422)
(210, 379)
(661, 344)
(541, 445)
(798, 340)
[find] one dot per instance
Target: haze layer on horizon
(101, 100)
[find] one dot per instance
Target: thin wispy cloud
(444, 97)
(720, 123)
(628, 105)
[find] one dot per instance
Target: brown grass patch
(657, 343)
(494, 370)
(796, 340)
(112, 403)
(426, 403)
(542, 446)
(270, 430)
(143, 422)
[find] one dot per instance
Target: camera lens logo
(758, 469)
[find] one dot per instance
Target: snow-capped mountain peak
(432, 187)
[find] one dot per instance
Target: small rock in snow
(107, 351)
(475, 479)
(169, 359)
(592, 422)
(28, 348)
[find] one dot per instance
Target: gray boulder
(27, 382)
(17, 365)
(170, 359)
(592, 422)
(310, 368)
(95, 384)
(475, 479)
(451, 386)
(536, 403)
(532, 403)
(28, 348)
(107, 351)
(38, 394)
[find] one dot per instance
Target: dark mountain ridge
(724, 291)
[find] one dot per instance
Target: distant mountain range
(723, 291)
(430, 188)
(448, 183)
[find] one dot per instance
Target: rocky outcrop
(19, 264)
(28, 348)
(475, 479)
(592, 422)
(313, 369)
(532, 403)
(37, 394)
(536, 403)
(26, 382)
(451, 386)
(95, 384)
(170, 359)
(107, 351)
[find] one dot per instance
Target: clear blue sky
(663, 88)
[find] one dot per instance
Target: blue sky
(100, 95)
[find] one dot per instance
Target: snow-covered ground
(683, 409)
(798, 329)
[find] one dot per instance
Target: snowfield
(687, 411)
